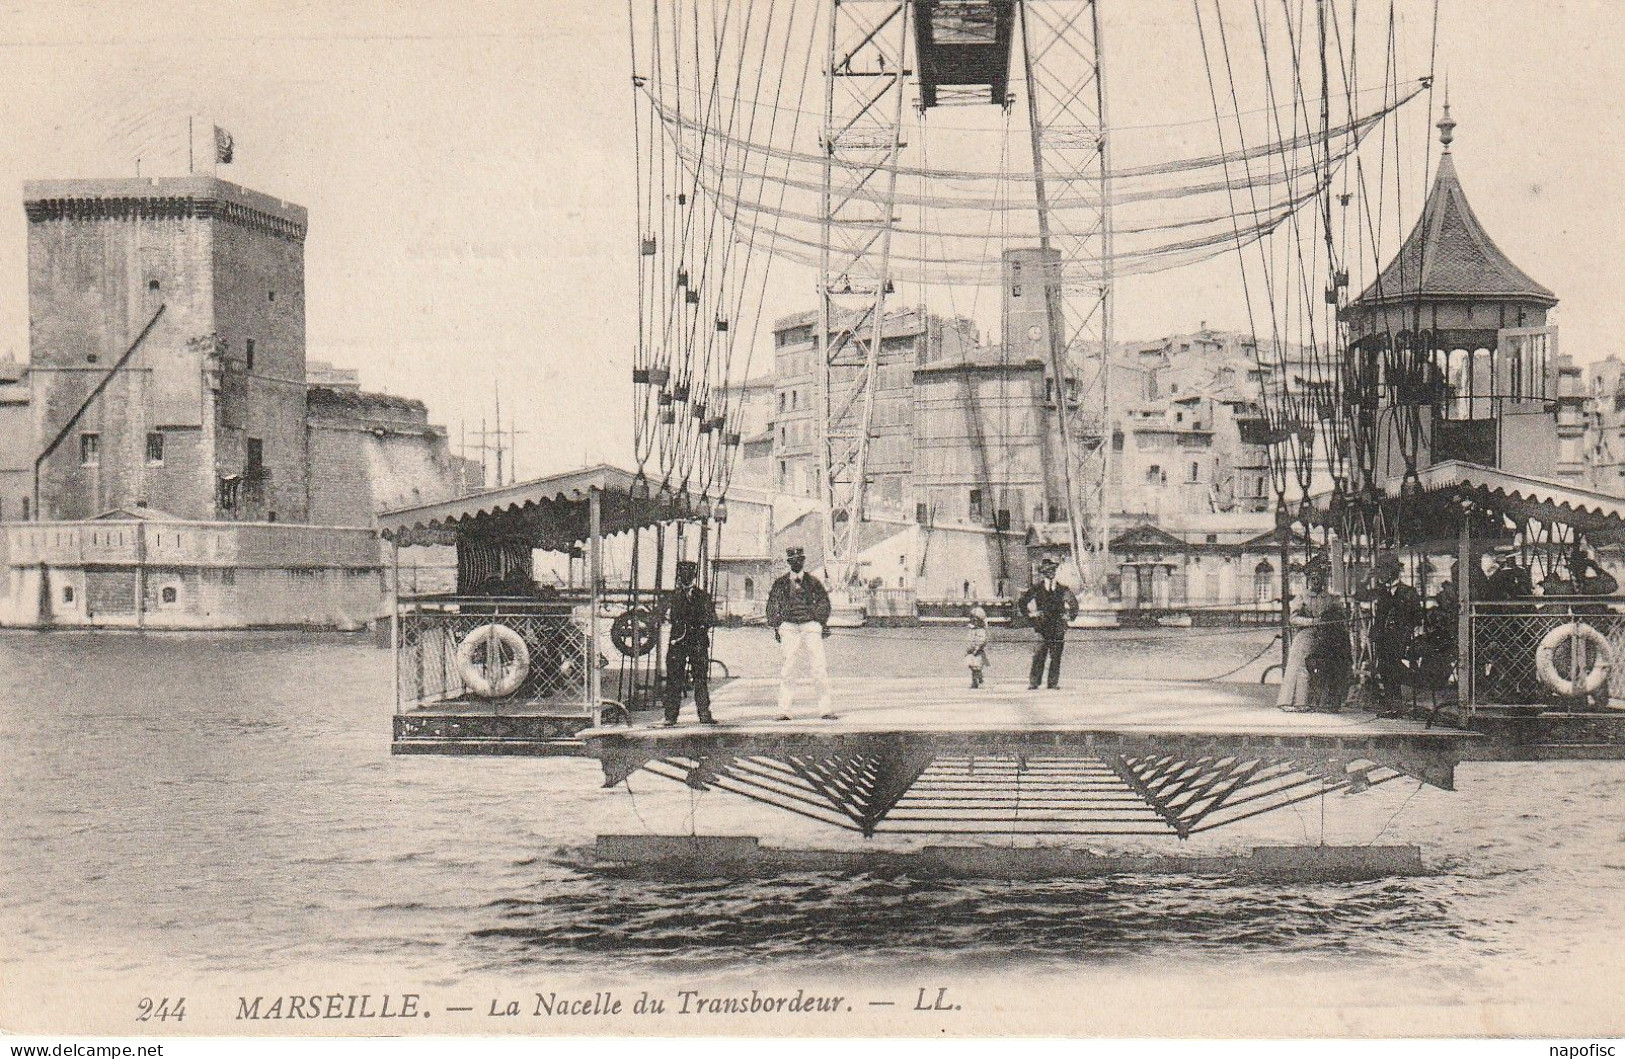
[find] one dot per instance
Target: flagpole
(189, 138)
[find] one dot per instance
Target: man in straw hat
(1050, 606)
(798, 614)
(690, 614)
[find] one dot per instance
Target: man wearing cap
(1050, 606)
(690, 614)
(798, 614)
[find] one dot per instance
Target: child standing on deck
(976, 646)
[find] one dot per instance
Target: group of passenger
(1412, 644)
(798, 612)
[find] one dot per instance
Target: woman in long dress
(1297, 681)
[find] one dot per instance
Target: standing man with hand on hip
(798, 613)
(1049, 605)
(691, 615)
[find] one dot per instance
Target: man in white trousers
(798, 614)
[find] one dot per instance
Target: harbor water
(178, 807)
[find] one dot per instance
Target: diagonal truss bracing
(864, 86)
(1066, 112)
(901, 785)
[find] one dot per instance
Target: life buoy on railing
(505, 665)
(634, 632)
(1546, 660)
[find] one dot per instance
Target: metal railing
(432, 631)
(1506, 644)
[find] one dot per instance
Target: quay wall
(189, 575)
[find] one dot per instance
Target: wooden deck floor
(939, 705)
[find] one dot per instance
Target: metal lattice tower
(864, 86)
(1066, 114)
(962, 55)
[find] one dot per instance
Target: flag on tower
(223, 145)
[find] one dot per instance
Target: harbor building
(180, 464)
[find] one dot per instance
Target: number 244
(161, 1010)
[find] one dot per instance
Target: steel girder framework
(864, 86)
(1078, 784)
(1066, 113)
(866, 77)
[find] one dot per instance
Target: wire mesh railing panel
(1510, 640)
(493, 652)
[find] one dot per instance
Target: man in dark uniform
(1396, 610)
(690, 614)
(1049, 605)
(798, 613)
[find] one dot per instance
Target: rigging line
(1144, 126)
(720, 471)
(986, 274)
(682, 461)
(1283, 322)
(1194, 164)
(645, 211)
(711, 360)
(1079, 267)
(1297, 199)
(979, 204)
(1264, 259)
(1305, 318)
(671, 258)
(677, 296)
(761, 295)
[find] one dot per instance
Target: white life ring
(1546, 662)
(495, 677)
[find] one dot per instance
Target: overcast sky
(468, 170)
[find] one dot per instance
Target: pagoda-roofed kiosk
(502, 664)
(1452, 349)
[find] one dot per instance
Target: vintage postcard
(833, 518)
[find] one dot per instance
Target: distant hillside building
(180, 463)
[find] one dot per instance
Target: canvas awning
(1430, 512)
(1597, 515)
(551, 513)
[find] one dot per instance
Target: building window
(1264, 582)
(255, 462)
(270, 295)
(90, 450)
(1196, 472)
(25, 509)
(248, 354)
(152, 284)
(155, 449)
(67, 593)
(1015, 290)
(1153, 475)
(750, 588)
(168, 595)
(976, 504)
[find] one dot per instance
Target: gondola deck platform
(923, 755)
